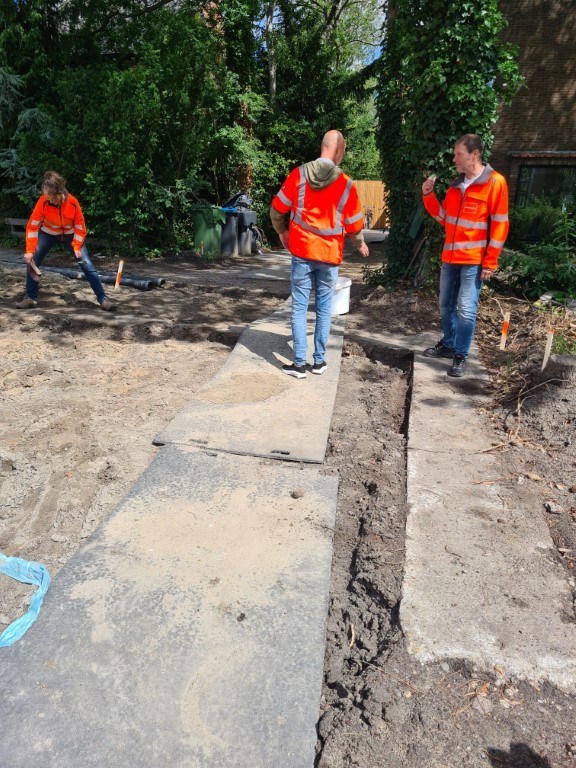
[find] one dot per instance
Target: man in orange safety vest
(474, 215)
(324, 207)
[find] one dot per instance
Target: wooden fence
(373, 198)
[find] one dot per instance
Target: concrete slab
(251, 407)
(189, 632)
(481, 581)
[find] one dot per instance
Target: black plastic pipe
(155, 281)
(109, 278)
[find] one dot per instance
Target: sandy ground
(82, 400)
(83, 395)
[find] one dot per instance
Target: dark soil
(379, 706)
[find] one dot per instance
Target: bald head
(333, 146)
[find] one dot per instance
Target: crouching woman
(57, 220)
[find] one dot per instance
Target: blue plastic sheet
(29, 573)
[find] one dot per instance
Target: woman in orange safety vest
(57, 220)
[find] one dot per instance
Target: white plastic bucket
(341, 297)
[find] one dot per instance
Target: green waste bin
(207, 221)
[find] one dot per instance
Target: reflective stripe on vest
(464, 246)
(50, 231)
(467, 223)
(284, 199)
(441, 216)
(322, 231)
(352, 219)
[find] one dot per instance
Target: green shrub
(563, 345)
(532, 223)
(546, 266)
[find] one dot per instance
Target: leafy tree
(444, 73)
(321, 54)
(146, 108)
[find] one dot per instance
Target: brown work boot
(26, 303)
(107, 305)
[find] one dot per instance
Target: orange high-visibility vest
(475, 221)
(66, 219)
(319, 218)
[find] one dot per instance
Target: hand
(364, 250)
(486, 274)
(428, 185)
(78, 255)
(284, 239)
(28, 257)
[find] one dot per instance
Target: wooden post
(548, 347)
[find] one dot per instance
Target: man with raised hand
(474, 215)
(324, 207)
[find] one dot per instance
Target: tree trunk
(271, 51)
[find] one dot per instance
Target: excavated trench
(380, 706)
(367, 449)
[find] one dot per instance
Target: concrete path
(482, 581)
(251, 407)
(482, 578)
(189, 632)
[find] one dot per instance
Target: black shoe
(439, 350)
(458, 366)
(298, 371)
(319, 368)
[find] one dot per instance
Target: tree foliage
(444, 72)
(145, 108)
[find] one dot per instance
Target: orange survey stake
(505, 326)
(119, 274)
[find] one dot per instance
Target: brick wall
(542, 118)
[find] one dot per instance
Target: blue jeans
(325, 277)
(45, 243)
(460, 286)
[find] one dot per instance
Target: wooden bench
(17, 227)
